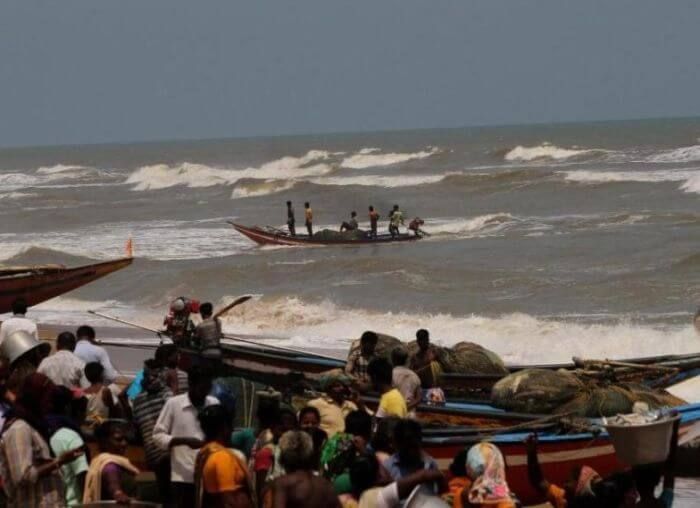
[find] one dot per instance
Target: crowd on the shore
(332, 451)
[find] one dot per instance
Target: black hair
(289, 203)
(19, 306)
(85, 332)
(206, 309)
(379, 370)
(212, 419)
(287, 411)
(65, 340)
(319, 438)
(61, 398)
(371, 208)
(198, 375)
(163, 352)
(268, 411)
(383, 438)
(407, 429)
(359, 423)
(363, 473)
(307, 204)
(94, 372)
(399, 356)
(105, 429)
(422, 334)
(309, 409)
(458, 468)
(353, 214)
(151, 364)
(369, 338)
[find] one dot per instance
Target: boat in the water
(273, 236)
(36, 284)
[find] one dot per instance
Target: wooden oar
(237, 301)
(124, 322)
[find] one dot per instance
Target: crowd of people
(395, 218)
(329, 451)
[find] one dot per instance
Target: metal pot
(18, 343)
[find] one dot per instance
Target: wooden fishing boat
(273, 236)
(36, 284)
(557, 454)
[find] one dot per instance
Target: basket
(648, 443)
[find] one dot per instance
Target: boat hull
(41, 284)
(277, 237)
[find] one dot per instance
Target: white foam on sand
(545, 151)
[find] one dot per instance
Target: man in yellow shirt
(391, 402)
(334, 406)
(308, 218)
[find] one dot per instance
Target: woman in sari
(111, 477)
(487, 471)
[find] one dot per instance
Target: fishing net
(385, 345)
(330, 235)
(535, 390)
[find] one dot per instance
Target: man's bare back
(302, 489)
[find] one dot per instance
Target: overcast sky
(122, 70)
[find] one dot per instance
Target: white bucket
(647, 443)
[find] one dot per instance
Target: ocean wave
(462, 227)
(379, 180)
(60, 168)
(256, 188)
(690, 178)
(545, 151)
(548, 340)
(157, 240)
(58, 176)
(163, 176)
(371, 157)
(677, 155)
(17, 195)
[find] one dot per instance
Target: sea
(546, 241)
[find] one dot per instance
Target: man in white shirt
(63, 367)
(177, 430)
(89, 352)
(18, 321)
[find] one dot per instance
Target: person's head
(383, 438)
(306, 205)
(167, 355)
(36, 394)
(408, 437)
(111, 437)
(65, 341)
(19, 307)
(646, 478)
(85, 332)
(371, 208)
(200, 384)
(423, 339)
(359, 423)
(458, 468)
(353, 214)
(399, 356)
(379, 371)
(336, 386)
(178, 305)
(309, 418)
(368, 342)
(152, 381)
(396, 207)
(363, 473)
(268, 412)
(61, 398)
(216, 423)
(484, 457)
(206, 310)
(94, 372)
(296, 451)
(289, 204)
(288, 420)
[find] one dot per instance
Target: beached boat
(273, 236)
(36, 284)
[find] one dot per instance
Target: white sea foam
(257, 188)
(162, 176)
(60, 168)
(380, 180)
(690, 178)
(463, 227)
(678, 155)
(160, 240)
(16, 195)
(371, 157)
(549, 340)
(57, 176)
(544, 151)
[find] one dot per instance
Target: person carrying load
(178, 325)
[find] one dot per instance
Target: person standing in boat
(373, 220)
(350, 225)
(290, 219)
(208, 336)
(395, 220)
(178, 325)
(358, 360)
(425, 361)
(309, 219)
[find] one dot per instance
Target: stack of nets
(462, 358)
(330, 235)
(545, 391)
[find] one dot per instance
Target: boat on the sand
(273, 236)
(36, 284)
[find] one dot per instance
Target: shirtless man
(422, 360)
(300, 487)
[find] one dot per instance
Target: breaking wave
(371, 157)
(690, 178)
(545, 151)
(476, 226)
(678, 155)
(380, 180)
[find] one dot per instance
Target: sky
(94, 71)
